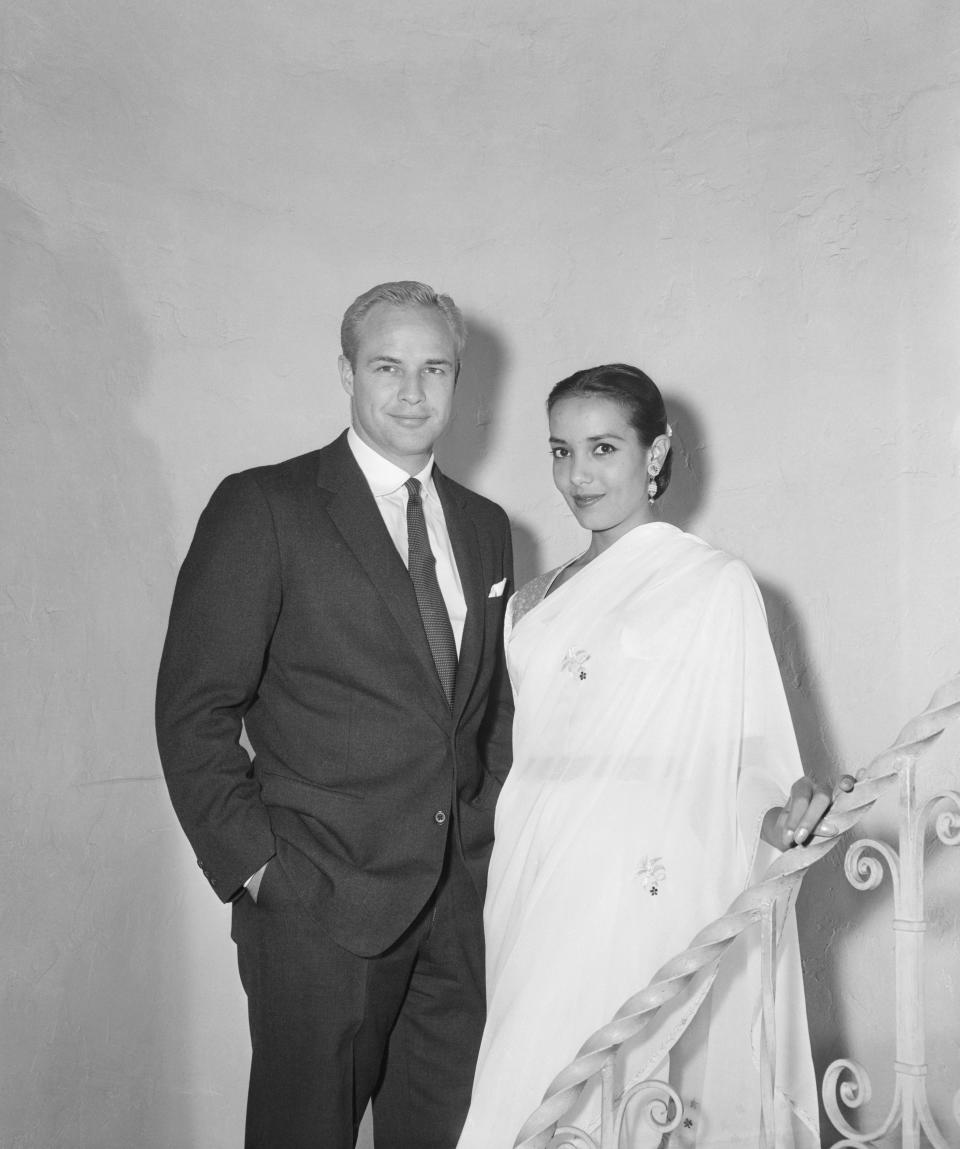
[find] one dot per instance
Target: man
(351, 620)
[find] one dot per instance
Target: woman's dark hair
(636, 393)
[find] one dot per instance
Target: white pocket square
(496, 591)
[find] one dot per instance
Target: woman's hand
(794, 823)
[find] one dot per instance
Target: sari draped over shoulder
(651, 735)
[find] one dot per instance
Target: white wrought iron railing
(846, 1082)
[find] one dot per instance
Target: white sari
(651, 736)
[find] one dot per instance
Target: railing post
(909, 927)
(909, 1108)
(607, 1104)
(768, 1042)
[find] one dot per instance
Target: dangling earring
(652, 470)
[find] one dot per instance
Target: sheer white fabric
(651, 735)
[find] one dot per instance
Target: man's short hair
(402, 293)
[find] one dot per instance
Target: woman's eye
(559, 452)
(604, 449)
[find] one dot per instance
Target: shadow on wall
(471, 439)
(93, 1023)
(690, 477)
(825, 884)
(827, 904)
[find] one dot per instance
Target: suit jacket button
(440, 817)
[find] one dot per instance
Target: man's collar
(383, 476)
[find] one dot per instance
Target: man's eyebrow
(393, 359)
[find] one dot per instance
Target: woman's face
(599, 466)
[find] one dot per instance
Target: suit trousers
(330, 1029)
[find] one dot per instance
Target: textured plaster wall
(756, 202)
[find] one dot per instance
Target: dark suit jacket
(295, 616)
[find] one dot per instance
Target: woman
(653, 761)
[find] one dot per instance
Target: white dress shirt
(386, 481)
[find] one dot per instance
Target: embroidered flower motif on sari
(573, 662)
(651, 873)
(685, 1133)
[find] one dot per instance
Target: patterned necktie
(433, 611)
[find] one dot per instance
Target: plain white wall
(756, 203)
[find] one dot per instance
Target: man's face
(401, 384)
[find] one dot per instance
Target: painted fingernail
(847, 783)
(800, 835)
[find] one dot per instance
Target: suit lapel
(466, 551)
(353, 511)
